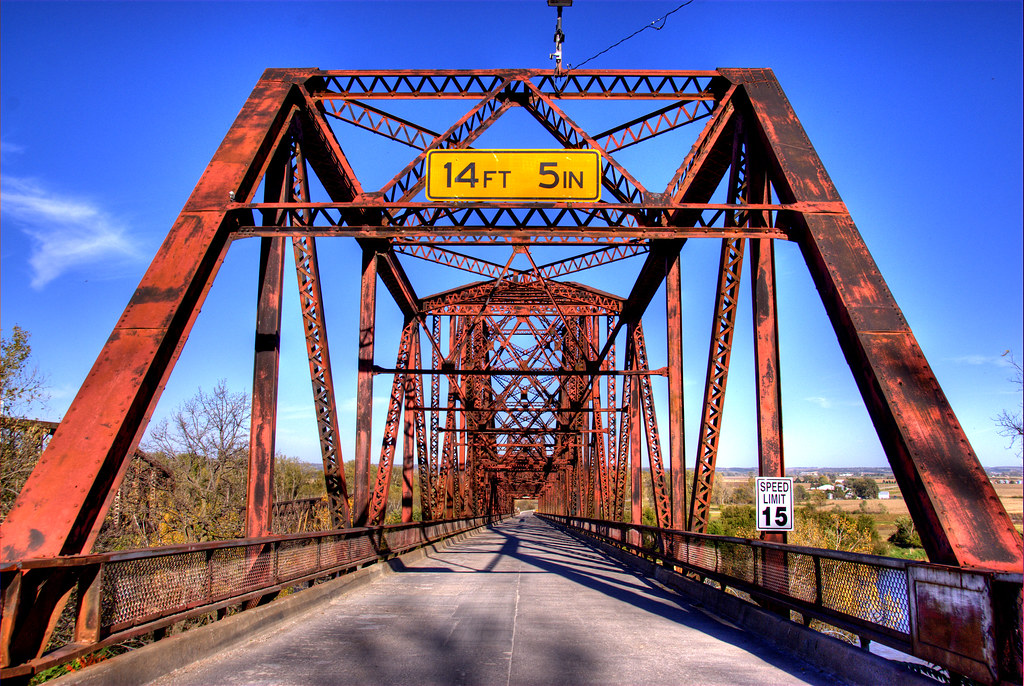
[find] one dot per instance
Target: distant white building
(826, 487)
(883, 495)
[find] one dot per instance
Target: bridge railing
(122, 595)
(966, 620)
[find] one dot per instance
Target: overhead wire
(652, 25)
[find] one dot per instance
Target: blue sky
(110, 111)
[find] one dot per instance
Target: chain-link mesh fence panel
(737, 560)
(297, 558)
(133, 589)
(871, 593)
(803, 583)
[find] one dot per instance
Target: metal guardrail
(121, 595)
(966, 620)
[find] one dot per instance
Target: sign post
(510, 175)
(773, 496)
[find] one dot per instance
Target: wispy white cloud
(66, 232)
(7, 149)
(821, 402)
(978, 360)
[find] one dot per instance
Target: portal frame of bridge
(776, 189)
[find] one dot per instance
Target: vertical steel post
(266, 359)
(364, 387)
(409, 435)
(766, 354)
(636, 478)
(260, 482)
(676, 427)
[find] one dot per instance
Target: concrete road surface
(521, 603)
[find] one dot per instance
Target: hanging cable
(653, 25)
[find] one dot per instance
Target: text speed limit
(514, 175)
(774, 503)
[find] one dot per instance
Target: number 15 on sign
(774, 502)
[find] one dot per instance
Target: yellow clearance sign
(573, 175)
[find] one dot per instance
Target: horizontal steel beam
(456, 83)
(661, 371)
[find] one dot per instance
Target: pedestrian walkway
(520, 603)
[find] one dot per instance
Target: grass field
(885, 512)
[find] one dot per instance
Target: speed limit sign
(774, 498)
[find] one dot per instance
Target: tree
(22, 387)
(836, 530)
(205, 443)
(1011, 424)
(743, 495)
(295, 479)
(801, 493)
(863, 487)
(736, 520)
(905, 535)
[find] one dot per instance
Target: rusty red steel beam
(380, 122)
(513, 294)
(453, 83)
(722, 334)
(771, 461)
(443, 494)
(615, 178)
(665, 119)
(704, 166)
(636, 480)
(321, 378)
(723, 330)
(450, 258)
(475, 265)
(552, 372)
(659, 486)
(364, 386)
(454, 239)
(435, 399)
(953, 504)
(619, 465)
(379, 494)
(515, 236)
(408, 182)
(104, 423)
(540, 212)
(426, 222)
(263, 417)
(611, 459)
(414, 404)
(258, 519)
(589, 260)
(311, 304)
(676, 415)
(597, 442)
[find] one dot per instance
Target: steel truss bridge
(511, 385)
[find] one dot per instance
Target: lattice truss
(506, 384)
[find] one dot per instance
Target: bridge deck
(522, 603)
